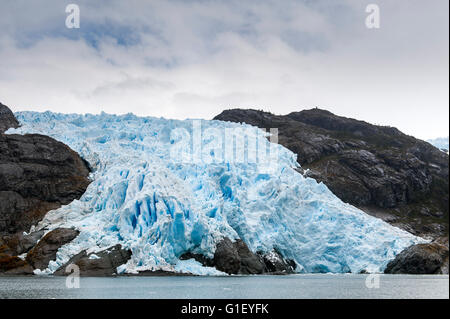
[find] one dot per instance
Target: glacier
(441, 143)
(160, 205)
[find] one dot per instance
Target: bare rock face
(13, 265)
(38, 257)
(100, 264)
(20, 243)
(37, 174)
(46, 248)
(236, 258)
(7, 119)
(378, 169)
(421, 259)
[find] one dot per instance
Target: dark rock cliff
(37, 174)
(379, 169)
(7, 119)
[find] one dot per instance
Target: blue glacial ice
(161, 205)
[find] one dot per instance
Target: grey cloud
(127, 84)
(191, 58)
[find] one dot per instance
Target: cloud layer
(189, 58)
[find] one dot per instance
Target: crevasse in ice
(161, 205)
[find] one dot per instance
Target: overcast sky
(193, 59)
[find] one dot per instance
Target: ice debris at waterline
(160, 206)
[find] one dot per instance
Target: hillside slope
(37, 174)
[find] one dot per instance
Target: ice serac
(160, 207)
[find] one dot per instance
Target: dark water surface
(254, 287)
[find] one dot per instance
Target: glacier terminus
(162, 188)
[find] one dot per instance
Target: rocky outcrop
(378, 169)
(20, 243)
(45, 250)
(38, 257)
(236, 258)
(10, 264)
(13, 265)
(99, 264)
(276, 264)
(37, 174)
(7, 119)
(421, 259)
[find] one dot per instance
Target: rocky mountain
(379, 169)
(37, 174)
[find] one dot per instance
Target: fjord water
(246, 287)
